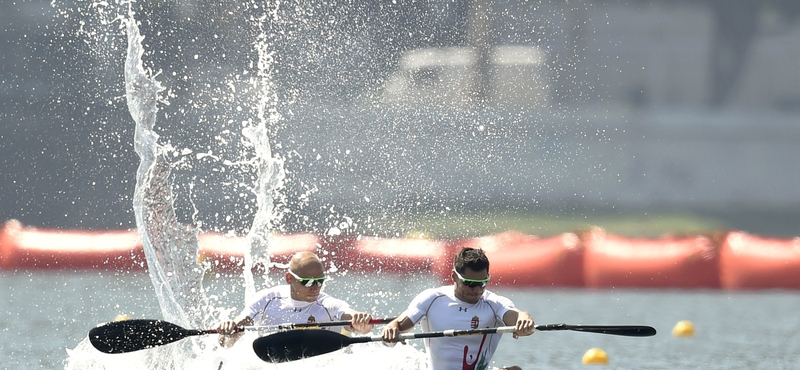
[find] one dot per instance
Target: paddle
(624, 330)
(133, 335)
(297, 344)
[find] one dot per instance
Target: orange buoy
(225, 253)
(8, 242)
(755, 262)
(401, 255)
(31, 248)
(518, 259)
(612, 261)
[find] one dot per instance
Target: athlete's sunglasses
(308, 282)
(473, 282)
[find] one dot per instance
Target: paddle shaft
(623, 330)
(289, 326)
(296, 344)
(435, 334)
(293, 345)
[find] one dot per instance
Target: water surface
(45, 313)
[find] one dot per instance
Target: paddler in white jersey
(299, 301)
(465, 305)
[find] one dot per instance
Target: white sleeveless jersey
(275, 306)
(438, 309)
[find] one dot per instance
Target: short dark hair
(472, 258)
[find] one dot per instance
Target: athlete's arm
(392, 330)
(521, 320)
(227, 330)
(359, 321)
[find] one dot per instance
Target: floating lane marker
(683, 328)
(595, 356)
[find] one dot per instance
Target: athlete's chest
(461, 316)
(280, 311)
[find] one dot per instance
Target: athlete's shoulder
(493, 297)
(435, 293)
(325, 299)
(442, 290)
(277, 291)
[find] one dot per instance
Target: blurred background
(397, 117)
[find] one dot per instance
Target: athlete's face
(300, 291)
(463, 291)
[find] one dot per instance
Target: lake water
(45, 313)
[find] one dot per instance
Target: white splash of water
(171, 247)
(270, 170)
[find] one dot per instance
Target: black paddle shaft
(298, 344)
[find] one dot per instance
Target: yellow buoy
(595, 356)
(122, 317)
(683, 328)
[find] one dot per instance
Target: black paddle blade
(624, 330)
(298, 344)
(627, 330)
(133, 335)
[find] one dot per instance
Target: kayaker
(464, 305)
(300, 300)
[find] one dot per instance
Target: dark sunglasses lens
(473, 284)
(311, 282)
